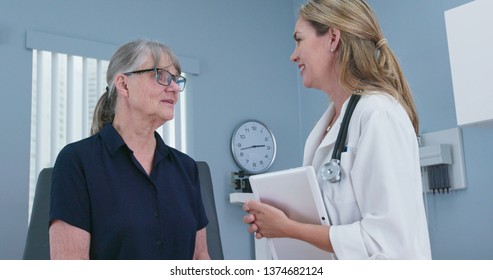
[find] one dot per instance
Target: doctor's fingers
(246, 206)
(249, 218)
(266, 212)
(252, 228)
(252, 206)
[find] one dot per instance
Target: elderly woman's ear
(121, 84)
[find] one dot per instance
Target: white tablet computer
(294, 191)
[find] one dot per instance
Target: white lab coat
(376, 211)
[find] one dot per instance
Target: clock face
(253, 147)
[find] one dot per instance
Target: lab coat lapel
(316, 146)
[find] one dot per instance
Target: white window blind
(65, 90)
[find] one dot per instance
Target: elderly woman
(122, 193)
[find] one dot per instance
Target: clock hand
(254, 146)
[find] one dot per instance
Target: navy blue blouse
(100, 187)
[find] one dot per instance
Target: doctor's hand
(266, 220)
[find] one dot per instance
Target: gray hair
(126, 59)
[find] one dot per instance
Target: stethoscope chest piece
(331, 171)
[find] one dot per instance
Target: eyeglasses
(163, 77)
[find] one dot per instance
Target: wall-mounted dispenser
(441, 158)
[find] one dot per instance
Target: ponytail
(104, 112)
(395, 83)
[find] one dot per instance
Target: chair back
(38, 241)
(213, 234)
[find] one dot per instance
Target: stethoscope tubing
(341, 140)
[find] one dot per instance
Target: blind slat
(54, 108)
(85, 98)
(70, 100)
(39, 109)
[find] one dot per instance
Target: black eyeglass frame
(175, 78)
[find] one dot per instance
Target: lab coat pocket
(339, 197)
(345, 198)
(347, 161)
(342, 192)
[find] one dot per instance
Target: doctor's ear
(333, 38)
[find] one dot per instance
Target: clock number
(239, 145)
(266, 139)
(268, 148)
(242, 154)
(242, 136)
(261, 162)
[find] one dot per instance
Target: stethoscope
(331, 170)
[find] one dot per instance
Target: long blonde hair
(365, 59)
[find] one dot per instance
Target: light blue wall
(243, 48)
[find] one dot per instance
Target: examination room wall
(459, 223)
(242, 48)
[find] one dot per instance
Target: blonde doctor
(375, 203)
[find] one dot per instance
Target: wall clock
(253, 147)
